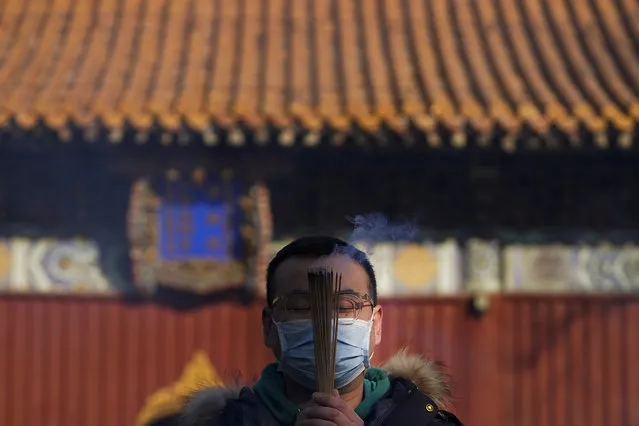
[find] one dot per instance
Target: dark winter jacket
(418, 390)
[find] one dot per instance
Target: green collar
(271, 390)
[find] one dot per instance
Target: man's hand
(328, 410)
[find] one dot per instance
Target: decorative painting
(408, 269)
(543, 269)
(482, 266)
(51, 266)
(607, 269)
(200, 233)
(571, 268)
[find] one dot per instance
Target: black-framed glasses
(297, 305)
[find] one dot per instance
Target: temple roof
(323, 66)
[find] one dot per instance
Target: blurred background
(155, 154)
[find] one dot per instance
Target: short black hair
(315, 247)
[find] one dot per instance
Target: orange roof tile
(322, 64)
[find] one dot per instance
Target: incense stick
(324, 288)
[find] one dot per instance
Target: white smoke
(375, 228)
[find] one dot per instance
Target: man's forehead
(292, 274)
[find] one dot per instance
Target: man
(406, 392)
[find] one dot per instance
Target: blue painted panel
(197, 223)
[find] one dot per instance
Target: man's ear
(267, 327)
(378, 316)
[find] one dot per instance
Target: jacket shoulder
(205, 407)
(428, 376)
(447, 418)
(413, 406)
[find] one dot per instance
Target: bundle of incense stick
(324, 288)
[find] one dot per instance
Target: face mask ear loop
(370, 358)
(373, 314)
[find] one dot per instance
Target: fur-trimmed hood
(427, 375)
(205, 405)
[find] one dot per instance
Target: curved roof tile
(322, 64)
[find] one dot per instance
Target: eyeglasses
(298, 306)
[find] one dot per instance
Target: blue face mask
(298, 350)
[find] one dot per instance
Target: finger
(328, 400)
(305, 407)
(336, 403)
(325, 413)
(308, 404)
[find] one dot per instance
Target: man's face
(291, 278)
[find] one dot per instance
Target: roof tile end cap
(340, 123)
(368, 122)
(26, 120)
(144, 121)
(56, 120)
(113, 119)
(425, 122)
(197, 120)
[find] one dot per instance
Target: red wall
(529, 361)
